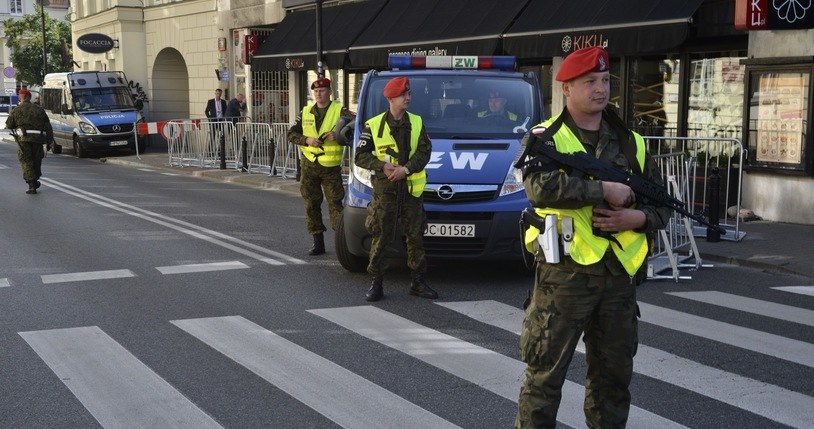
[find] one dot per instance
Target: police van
(91, 110)
(474, 195)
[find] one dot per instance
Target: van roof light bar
(452, 62)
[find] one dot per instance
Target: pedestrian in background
(31, 128)
(236, 108)
(593, 289)
(396, 146)
(215, 107)
(321, 161)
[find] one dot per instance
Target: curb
(751, 264)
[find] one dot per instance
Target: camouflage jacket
(29, 116)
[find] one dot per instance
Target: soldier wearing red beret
(592, 289)
(320, 165)
(396, 146)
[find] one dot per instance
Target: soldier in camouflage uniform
(321, 160)
(593, 289)
(395, 145)
(31, 128)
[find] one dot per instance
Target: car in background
(7, 102)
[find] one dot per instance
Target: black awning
(293, 44)
(432, 27)
(555, 28)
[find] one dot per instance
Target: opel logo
(117, 128)
(445, 192)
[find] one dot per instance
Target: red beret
(322, 82)
(396, 86)
(582, 61)
(24, 91)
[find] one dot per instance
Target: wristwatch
(406, 171)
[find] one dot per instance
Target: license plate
(118, 143)
(449, 230)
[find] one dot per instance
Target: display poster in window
(782, 106)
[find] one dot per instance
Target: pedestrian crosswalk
(119, 390)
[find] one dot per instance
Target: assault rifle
(646, 191)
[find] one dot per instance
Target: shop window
(715, 105)
(779, 116)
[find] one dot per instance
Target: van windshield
(103, 99)
(466, 106)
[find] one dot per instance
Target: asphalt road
(134, 298)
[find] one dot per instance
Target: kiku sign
(95, 43)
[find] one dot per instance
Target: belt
(25, 132)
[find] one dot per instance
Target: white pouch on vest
(567, 234)
(549, 240)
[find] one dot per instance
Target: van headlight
(87, 128)
(363, 175)
(513, 182)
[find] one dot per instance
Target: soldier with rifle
(31, 128)
(395, 145)
(586, 283)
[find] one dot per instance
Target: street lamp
(320, 69)
(44, 50)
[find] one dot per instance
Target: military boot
(32, 187)
(419, 286)
(376, 291)
(319, 245)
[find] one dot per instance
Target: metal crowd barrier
(702, 155)
(197, 143)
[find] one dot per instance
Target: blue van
(91, 110)
(474, 195)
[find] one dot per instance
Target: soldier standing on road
(31, 128)
(321, 160)
(593, 289)
(396, 146)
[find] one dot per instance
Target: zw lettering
(459, 161)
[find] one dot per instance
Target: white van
(91, 110)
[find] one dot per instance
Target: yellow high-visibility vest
(416, 181)
(586, 248)
(330, 154)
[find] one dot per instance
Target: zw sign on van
(95, 43)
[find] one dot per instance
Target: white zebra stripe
(764, 399)
(115, 387)
(85, 276)
(493, 371)
(751, 305)
(802, 290)
(326, 387)
(200, 268)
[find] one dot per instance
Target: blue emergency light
(452, 62)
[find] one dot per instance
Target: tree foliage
(24, 37)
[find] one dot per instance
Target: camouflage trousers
(30, 155)
(381, 223)
(315, 179)
(564, 305)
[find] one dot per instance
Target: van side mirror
(65, 110)
(139, 104)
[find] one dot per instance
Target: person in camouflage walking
(592, 289)
(32, 129)
(314, 132)
(396, 146)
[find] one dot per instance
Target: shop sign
(95, 43)
(294, 63)
(773, 14)
(573, 42)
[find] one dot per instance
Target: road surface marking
(199, 268)
(802, 290)
(773, 402)
(4, 283)
(346, 398)
(117, 388)
(87, 275)
(745, 338)
(190, 229)
(751, 305)
(493, 371)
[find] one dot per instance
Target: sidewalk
(772, 246)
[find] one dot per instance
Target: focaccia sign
(95, 43)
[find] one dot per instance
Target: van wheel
(79, 150)
(57, 149)
(349, 261)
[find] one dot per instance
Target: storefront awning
(292, 45)
(432, 27)
(555, 28)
